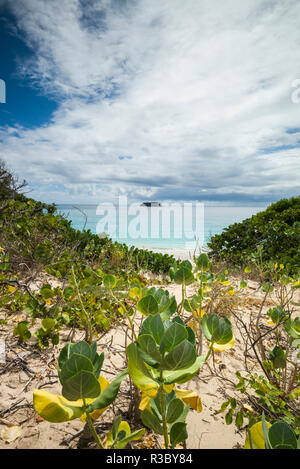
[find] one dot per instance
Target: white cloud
(193, 91)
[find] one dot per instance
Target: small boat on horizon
(151, 204)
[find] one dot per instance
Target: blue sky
(162, 100)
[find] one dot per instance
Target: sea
(185, 226)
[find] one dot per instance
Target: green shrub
(275, 232)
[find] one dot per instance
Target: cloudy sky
(153, 99)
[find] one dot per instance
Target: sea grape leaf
(182, 356)
(82, 385)
(55, 408)
(175, 334)
(139, 373)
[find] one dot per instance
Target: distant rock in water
(150, 204)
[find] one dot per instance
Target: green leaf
(109, 281)
(228, 417)
(74, 365)
(148, 345)
(239, 419)
(223, 407)
(167, 312)
(185, 374)
(216, 330)
(68, 293)
(64, 355)
(48, 323)
(265, 430)
(151, 421)
(157, 328)
(276, 314)
(46, 292)
(184, 276)
(202, 262)
(278, 357)
(22, 331)
(187, 264)
(83, 348)
(174, 410)
(171, 273)
(178, 433)
(267, 287)
(182, 356)
(137, 435)
(114, 428)
(147, 305)
(80, 386)
(292, 327)
(97, 363)
(233, 403)
(175, 334)
(139, 373)
(109, 394)
(282, 436)
(209, 324)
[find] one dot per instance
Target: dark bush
(275, 230)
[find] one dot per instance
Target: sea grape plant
(156, 300)
(218, 331)
(279, 435)
(120, 434)
(85, 394)
(164, 354)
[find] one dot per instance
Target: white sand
(178, 253)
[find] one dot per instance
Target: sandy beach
(28, 368)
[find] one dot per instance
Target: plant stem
(89, 333)
(209, 351)
(182, 297)
(163, 414)
(92, 428)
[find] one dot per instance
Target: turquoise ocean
(214, 220)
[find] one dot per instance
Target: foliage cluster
(273, 234)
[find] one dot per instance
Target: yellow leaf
(168, 388)
(11, 288)
(222, 347)
(271, 323)
(145, 402)
(226, 282)
(1, 249)
(55, 408)
(146, 395)
(123, 426)
(189, 397)
(96, 414)
(281, 266)
(186, 395)
(200, 313)
(135, 292)
(11, 433)
(257, 436)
